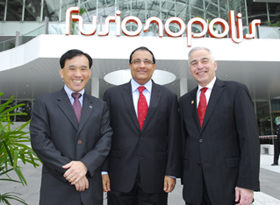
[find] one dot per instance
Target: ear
(215, 65)
(61, 73)
(154, 66)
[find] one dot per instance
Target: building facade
(33, 37)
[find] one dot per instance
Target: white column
(95, 87)
(183, 86)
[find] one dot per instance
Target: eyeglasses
(146, 61)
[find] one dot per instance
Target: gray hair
(200, 48)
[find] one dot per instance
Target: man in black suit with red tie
(219, 127)
(145, 156)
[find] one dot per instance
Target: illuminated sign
(234, 27)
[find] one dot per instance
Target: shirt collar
(69, 91)
(135, 85)
(210, 85)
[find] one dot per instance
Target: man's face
(202, 67)
(142, 67)
(76, 73)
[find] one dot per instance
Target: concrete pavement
(269, 179)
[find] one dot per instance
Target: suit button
(80, 142)
(200, 140)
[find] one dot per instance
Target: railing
(19, 40)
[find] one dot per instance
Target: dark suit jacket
(57, 139)
(225, 151)
(154, 151)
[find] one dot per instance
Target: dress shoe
(274, 164)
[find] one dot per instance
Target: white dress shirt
(207, 93)
(135, 93)
(69, 94)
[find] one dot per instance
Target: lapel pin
(192, 102)
(90, 107)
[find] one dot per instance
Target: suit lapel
(194, 107)
(64, 104)
(218, 89)
(127, 97)
(155, 97)
(86, 111)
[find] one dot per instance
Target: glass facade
(35, 10)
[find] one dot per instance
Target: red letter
(222, 23)
(68, 17)
(131, 19)
(238, 30)
(252, 29)
(178, 21)
(203, 25)
(158, 22)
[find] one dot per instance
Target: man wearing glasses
(145, 157)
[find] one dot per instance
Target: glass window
(65, 5)
(2, 10)
(51, 9)
(264, 123)
(32, 10)
(274, 14)
(256, 11)
(14, 10)
(25, 109)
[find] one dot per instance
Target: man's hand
(169, 184)
(82, 184)
(76, 170)
(106, 182)
(243, 196)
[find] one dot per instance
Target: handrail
(11, 43)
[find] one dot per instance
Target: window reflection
(24, 109)
(32, 10)
(14, 10)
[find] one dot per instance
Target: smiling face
(142, 67)
(76, 72)
(202, 67)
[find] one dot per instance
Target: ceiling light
(123, 76)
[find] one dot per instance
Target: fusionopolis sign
(234, 27)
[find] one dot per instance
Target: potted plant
(12, 149)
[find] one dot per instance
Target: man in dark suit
(221, 148)
(145, 156)
(72, 141)
(277, 143)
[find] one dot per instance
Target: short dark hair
(141, 48)
(71, 54)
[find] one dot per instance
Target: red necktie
(77, 105)
(202, 105)
(142, 107)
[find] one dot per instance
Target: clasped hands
(169, 183)
(76, 175)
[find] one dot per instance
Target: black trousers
(136, 196)
(276, 150)
(205, 198)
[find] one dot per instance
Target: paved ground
(269, 178)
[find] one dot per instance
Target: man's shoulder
(188, 94)
(233, 84)
(163, 89)
(50, 95)
(117, 88)
(94, 99)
